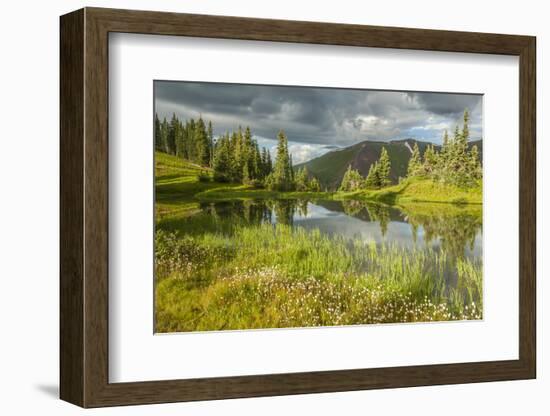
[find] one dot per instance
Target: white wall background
(29, 159)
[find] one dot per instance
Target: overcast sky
(317, 120)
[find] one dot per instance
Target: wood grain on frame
(84, 207)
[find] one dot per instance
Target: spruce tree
(190, 147)
(314, 185)
(465, 129)
(265, 168)
(158, 134)
(173, 131)
(248, 156)
(202, 144)
(373, 177)
(352, 180)
(415, 162)
(269, 164)
(443, 154)
(164, 129)
(384, 168)
(455, 164)
(210, 135)
(302, 180)
(257, 161)
(236, 160)
(474, 167)
(180, 143)
(222, 160)
(281, 178)
(430, 160)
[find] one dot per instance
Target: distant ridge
(330, 167)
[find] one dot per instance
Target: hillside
(330, 167)
(175, 180)
(414, 190)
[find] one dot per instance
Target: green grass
(269, 277)
(176, 184)
(415, 190)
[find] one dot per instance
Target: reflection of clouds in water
(317, 211)
(398, 232)
(345, 226)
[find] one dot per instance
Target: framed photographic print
(256, 207)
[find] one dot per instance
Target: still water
(455, 229)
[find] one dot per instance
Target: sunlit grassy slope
(177, 181)
(415, 190)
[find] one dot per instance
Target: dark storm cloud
(439, 103)
(318, 119)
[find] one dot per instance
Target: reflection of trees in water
(302, 205)
(248, 212)
(455, 227)
(352, 207)
(381, 214)
(367, 211)
(284, 210)
(254, 212)
(456, 230)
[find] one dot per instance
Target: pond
(455, 229)
(238, 264)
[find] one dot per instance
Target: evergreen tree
(172, 132)
(314, 185)
(158, 134)
(257, 161)
(269, 163)
(247, 156)
(265, 168)
(384, 168)
(190, 148)
(180, 140)
(281, 177)
(238, 155)
(465, 129)
(202, 143)
(246, 176)
(455, 164)
(352, 180)
(415, 162)
(443, 154)
(164, 129)
(222, 160)
(210, 135)
(373, 177)
(291, 167)
(430, 160)
(302, 180)
(474, 167)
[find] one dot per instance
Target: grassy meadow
(232, 271)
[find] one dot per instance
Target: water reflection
(455, 229)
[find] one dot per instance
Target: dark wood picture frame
(84, 207)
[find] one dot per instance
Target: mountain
(330, 167)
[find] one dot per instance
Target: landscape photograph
(295, 207)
